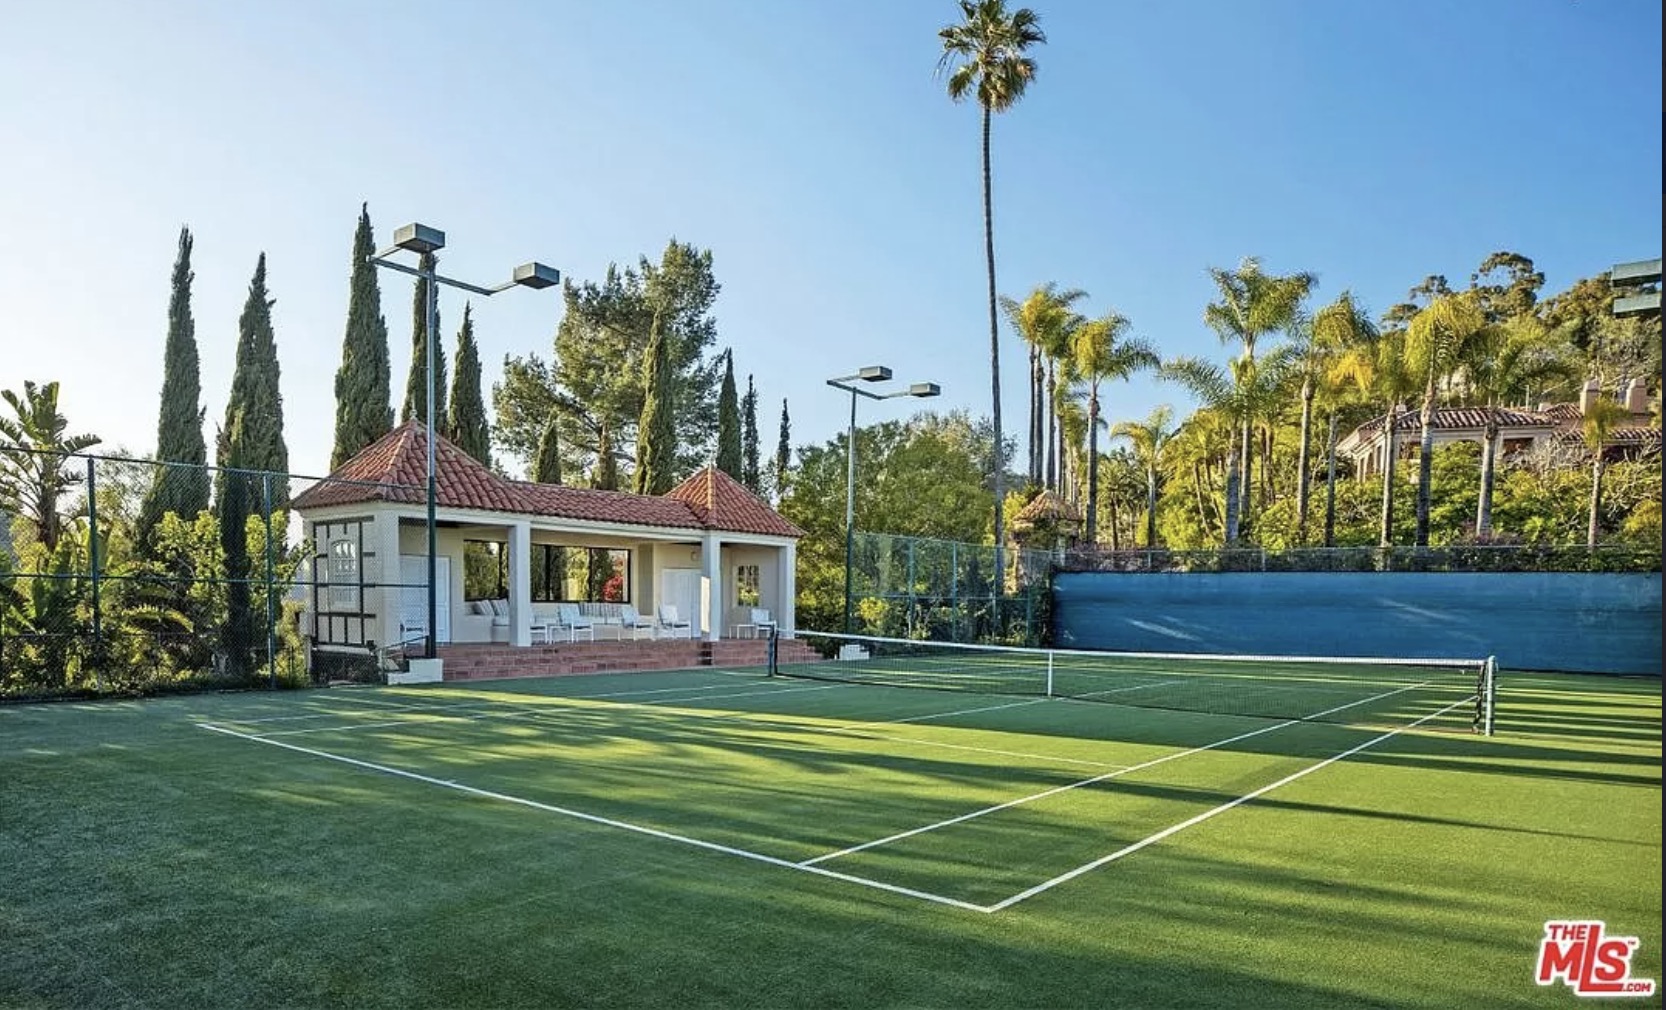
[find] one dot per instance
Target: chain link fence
(129, 576)
(946, 591)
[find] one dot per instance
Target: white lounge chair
(671, 625)
(574, 624)
(634, 624)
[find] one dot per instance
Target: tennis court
(823, 837)
(955, 795)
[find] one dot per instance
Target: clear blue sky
(808, 145)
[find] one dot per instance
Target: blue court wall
(1573, 621)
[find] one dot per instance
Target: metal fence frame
(95, 651)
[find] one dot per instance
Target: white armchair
(573, 624)
(634, 624)
(763, 621)
(671, 625)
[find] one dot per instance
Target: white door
(680, 587)
(413, 595)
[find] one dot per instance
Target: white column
(520, 584)
(711, 581)
(387, 599)
(786, 618)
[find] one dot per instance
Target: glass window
(341, 571)
(483, 570)
(580, 574)
(746, 586)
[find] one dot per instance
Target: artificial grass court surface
(150, 861)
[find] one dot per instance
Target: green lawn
(722, 839)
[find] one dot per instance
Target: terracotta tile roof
(1563, 413)
(1645, 438)
(394, 469)
(1461, 417)
(720, 502)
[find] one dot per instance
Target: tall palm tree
(1103, 350)
(1597, 425)
(36, 447)
(1381, 373)
(1253, 305)
(1201, 440)
(1150, 440)
(1223, 393)
(1503, 364)
(1042, 321)
(983, 56)
(1337, 330)
(1438, 340)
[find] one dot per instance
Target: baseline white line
(324, 715)
(939, 715)
(606, 821)
(855, 730)
(1085, 782)
(1223, 808)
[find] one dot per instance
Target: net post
(1491, 697)
(1049, 673)
(771, 657)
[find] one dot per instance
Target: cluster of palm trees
(1484, 346)
(1321, 366)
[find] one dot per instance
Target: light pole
(872, 373)
(424, 241)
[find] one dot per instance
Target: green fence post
(271, 584)
(92, 552)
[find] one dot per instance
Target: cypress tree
(416, 386)
(728, 421)
(783, 453)
(364, 380)
(607, 463)
(178, 489)
(256, 401)
(751, 474)
(656, 433)
(232, 510)
(546, 468)
(467, 425)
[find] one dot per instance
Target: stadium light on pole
(423, 240)
(871, 373)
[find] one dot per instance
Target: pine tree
(180, 489)
(546, 467)
(467, 425)
(364, 380)
(256, 401)
(416, 386)
(656, 432)
(728, 421)
(232, 510)
(751, 475)
(783, 453)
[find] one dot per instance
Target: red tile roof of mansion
(394, 468)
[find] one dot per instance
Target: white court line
(855, 730)
(323, 715)
(939, 715)
(607, 821)
(463, 713)
(1223, 808)
(1086, 782)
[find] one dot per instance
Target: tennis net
(1318, 688)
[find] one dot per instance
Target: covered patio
(517, 561)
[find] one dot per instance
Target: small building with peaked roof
(507, 551)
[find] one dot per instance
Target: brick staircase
(560, 659)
